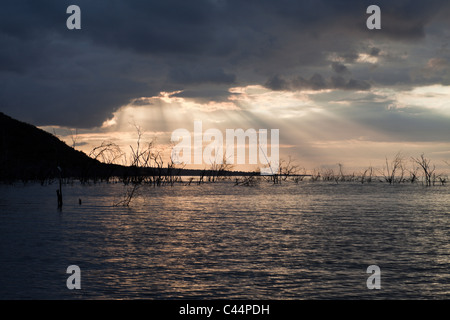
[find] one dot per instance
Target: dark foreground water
(214, 241)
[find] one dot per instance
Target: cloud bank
(127, 50)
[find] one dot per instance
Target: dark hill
(29, 153)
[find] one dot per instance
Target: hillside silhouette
(28, 153)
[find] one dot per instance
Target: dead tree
(413, 173)
(428, 170)
(367, 175)
(74, 138)
(394, 171)
(218, 170)
(107, 152)
(288, 168)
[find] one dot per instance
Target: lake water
(312, 240)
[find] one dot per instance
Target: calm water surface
(213, 241)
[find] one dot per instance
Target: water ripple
(305, 241)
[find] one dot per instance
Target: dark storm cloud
(131, 49)
(339, 68)
(277, 83)
(341, 80)
(317, 82)
(374, 52)
(186, 75)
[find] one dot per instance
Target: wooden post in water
(59, 191)
(59, 196)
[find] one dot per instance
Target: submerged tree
(428, 170)
(394, 171)
(288, 168)
(107, 152)
(218, 169)
(366, 176)
(414, 172)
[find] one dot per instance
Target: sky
(337, 91)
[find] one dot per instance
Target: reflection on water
(288, 241)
